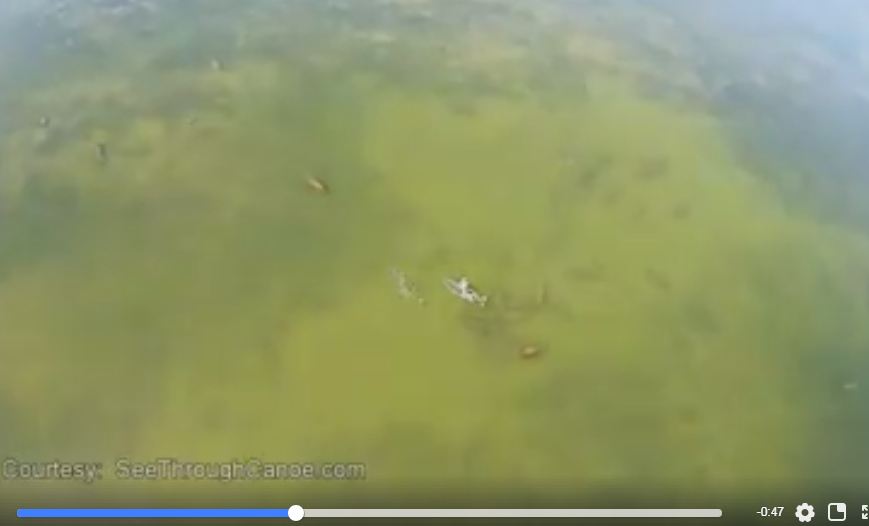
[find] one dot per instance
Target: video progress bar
(297, 513)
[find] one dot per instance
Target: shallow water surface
(691, 261)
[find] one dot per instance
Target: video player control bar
(297, 513)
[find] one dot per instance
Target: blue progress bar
(152, 513)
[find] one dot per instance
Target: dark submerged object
(654, 168)
(102, 152)
(681, 211)
(658, 279)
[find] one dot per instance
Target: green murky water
(637, 194)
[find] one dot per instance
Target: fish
(462, 289)
(542, 294)
(406, 288)
(529, 351)
(316, 185)
(102, 152)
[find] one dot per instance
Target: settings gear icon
(805, 512)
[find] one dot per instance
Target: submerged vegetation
(199, 201)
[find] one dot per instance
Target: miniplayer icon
(837, 511)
